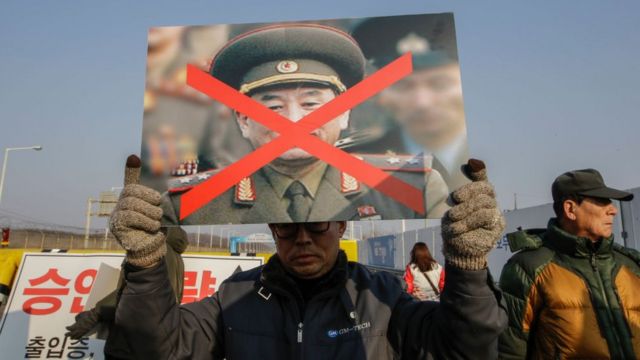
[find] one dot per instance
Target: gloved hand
(85, 322)
(135, 221)
(473, 226)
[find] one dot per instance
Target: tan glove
(473, 226)
(135, 221)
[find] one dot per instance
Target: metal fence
(49, 239)
(392, 251)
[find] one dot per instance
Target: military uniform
(394, 141)
(431, 41)
(336, 196)
(311, 55)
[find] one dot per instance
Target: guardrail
(396, 272)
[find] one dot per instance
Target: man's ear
(342, 227)
(569, 209)
(243, 123)
(273, 234)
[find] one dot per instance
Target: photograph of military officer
(425, 109)
(293, 69)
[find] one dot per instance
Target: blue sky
(549, 86)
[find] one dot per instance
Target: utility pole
(403, 228)
(107, 201)
(87, 225)
(6, 159)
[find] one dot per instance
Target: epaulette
(184, 183)
(525, 239)
(395, 162)
(364, 136)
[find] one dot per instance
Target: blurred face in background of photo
(161, 36)
(428, 104)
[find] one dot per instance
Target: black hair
(558, 206)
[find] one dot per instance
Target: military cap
(431, 39)
(290, 53)
(585, 182)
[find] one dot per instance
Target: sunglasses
(291, 229)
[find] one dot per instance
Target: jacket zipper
(606, 300)
(300, 333)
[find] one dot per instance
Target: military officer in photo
(293, 69)
(426, 107)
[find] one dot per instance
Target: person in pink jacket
(423, 275)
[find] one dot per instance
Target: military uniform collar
(558, 239)
(311, 180)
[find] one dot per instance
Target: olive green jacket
(570, 298)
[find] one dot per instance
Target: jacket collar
(276, 279)
(558, 239)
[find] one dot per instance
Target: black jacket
(117, 347)
(353, 314)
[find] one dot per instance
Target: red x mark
(298, 135)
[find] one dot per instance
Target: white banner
(51, 289)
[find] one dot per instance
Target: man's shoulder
(241, 281)
(231, 206)
(179, 185)
(246, 275)
(395, 162)
(529, 239)
(367, 279)
(530, 253)
(373, 140)
(532, 259)
(627, 256)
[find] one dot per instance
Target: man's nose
(294, 112)
(302, 237)
(423, 97)
(613, 210)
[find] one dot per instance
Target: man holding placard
(308, 301)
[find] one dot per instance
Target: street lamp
(6, 157)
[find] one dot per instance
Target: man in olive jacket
(571, 291)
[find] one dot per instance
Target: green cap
(585, 182)
(290, 53)
(431, 39)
